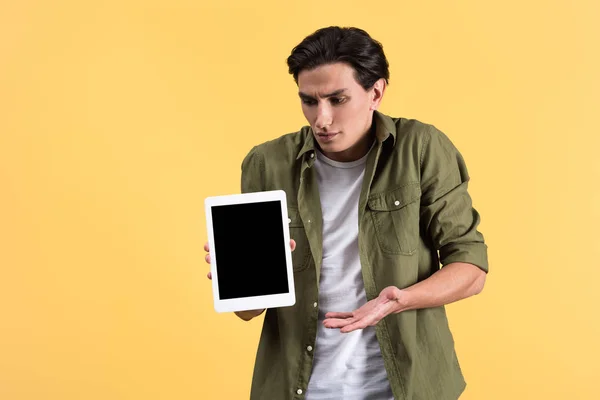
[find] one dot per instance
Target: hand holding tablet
(207, 257)
(250, 251)
(249, 314)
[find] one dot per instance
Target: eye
(308, 102)
(337, 100)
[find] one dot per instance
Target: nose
(324, 117)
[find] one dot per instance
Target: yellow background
(118, 118)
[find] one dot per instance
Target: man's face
(338, 109)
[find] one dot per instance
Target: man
(376, 204)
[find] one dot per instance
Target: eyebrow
(332, 94)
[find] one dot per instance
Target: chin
(331, 147)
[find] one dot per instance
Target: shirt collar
(384, 127)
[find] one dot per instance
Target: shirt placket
(309, 208)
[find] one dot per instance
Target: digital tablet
(251, 259)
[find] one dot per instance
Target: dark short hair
(334, 44)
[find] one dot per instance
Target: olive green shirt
(415, 215)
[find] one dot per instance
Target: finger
(335, 323)
(209, 276)
(341, 315)
(206, 247)
(361, 323)
(207, 258)
(293, 244)
(353, 327)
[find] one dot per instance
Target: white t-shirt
(346, 366)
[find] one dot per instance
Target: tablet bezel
(254, 302)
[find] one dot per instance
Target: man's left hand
(368, 315)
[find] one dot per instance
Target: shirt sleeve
(447, 212)
(253, 171)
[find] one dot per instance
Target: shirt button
(299, 391)
(312, 155)
(397, 203)
(315, 304)
(289, 220)
(309, 221)
(309, 348)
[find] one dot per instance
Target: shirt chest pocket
(395, 217)
(301, 255)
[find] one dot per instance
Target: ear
(377, 92)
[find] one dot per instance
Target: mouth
(326, 136)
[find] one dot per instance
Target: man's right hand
(245, 315)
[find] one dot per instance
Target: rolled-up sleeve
(447, 212)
